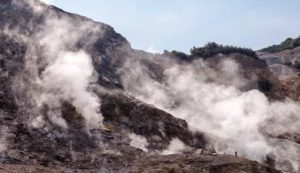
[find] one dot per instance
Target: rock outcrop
(51, 148)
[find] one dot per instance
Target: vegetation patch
(289, 43)
(211, 49)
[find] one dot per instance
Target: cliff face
(285, 66)
(46, 106)
(73, 148)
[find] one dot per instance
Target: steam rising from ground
(137, 141)
(235, 120)
(175, 146)
(58, 69)
(68, 79)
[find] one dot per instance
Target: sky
(157, 25)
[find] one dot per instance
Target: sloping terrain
(283, 62)
(285, 65)
(57, 115)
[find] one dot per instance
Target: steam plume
(58, 69)
(235, 120)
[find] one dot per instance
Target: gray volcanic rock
(201, 164)
(157, 126)
(17, 16)
(288, 56)
(168, 164)
(256, 71)
(76, 148)
(284, 65)
(52, 148)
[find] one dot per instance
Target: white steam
(236, 121)
(69, 77)
(176, 146)
(59, 69)
(137, 141)
(46, 1)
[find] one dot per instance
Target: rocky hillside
(285, 65)
(75, 97)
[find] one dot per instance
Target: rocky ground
(171, 163)
(284, 65)
(50, 148)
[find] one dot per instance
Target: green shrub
(289, 43)
(178, 54)
(209, 50)
(212, 49)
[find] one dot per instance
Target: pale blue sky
(181, 24)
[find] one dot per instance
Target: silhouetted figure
(235, 153)
(202, 151)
